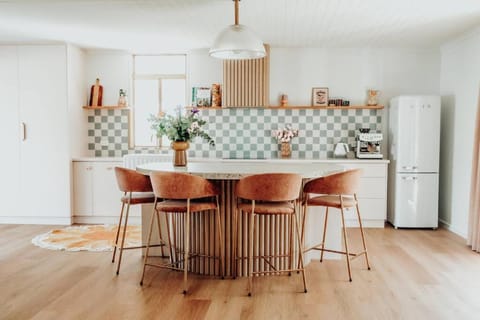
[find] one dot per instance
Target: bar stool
(182, 193)
(272, 194)
(136, 189)
(337, 191)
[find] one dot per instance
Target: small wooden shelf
(299, 107)
(104, 107)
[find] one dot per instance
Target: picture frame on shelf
(201, 97)
(320, 97)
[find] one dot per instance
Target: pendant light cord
(236, 12)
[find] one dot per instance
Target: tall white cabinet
(35, 162)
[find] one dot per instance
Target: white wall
(114, 69)
(459, 85)
(77, 99)
(202, 70)
(348, 73)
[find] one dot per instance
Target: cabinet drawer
(374, 209)
(369, 170)
(372, 188)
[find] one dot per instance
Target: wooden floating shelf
(104, 107)
(299, 107)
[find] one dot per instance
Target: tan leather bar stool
(336, 191)
(136, 189)
(269, 195)
(182, 193)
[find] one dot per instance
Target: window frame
(159, 78)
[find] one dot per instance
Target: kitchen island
(225, 173)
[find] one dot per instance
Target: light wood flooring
(416, 274)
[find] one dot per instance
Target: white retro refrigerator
(414, 138)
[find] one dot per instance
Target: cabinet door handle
(109, 168)
(23, 131)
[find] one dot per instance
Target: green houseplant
(180, 129)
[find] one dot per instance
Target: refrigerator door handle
(409, 178)
(410, 167)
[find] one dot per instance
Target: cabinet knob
(109, 168)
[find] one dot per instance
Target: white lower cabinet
(96, 194)
(372, 195)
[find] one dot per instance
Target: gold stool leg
(361, 232)
(148, 240)
(220, 238)
(324, 232)
(302, 236)
(300, 250)
(250, 250)
(160, 234)
(345, 240)
(118, 232)
(235, 242)
(124, 233)
(186, 237)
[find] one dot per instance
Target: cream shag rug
(87, 238)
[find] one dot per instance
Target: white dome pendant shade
(237, 42)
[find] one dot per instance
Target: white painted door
(45, 163)
(106, 195)
(82, 188)
(9, 131)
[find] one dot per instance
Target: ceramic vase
(180, 153)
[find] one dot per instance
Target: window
(159, 84)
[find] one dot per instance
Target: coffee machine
(368, 145)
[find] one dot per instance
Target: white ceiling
(176, 25)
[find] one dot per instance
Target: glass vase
(285, 150)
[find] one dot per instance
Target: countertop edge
(289, 160)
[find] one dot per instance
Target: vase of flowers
(284, 137)
(180, 129)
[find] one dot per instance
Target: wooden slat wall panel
(246, 82)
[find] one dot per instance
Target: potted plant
(180, 130)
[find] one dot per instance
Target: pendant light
(237, 42)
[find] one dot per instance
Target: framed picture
(319, 97)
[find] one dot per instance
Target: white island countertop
(232, 170)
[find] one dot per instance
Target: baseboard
(448, 226)
(104, 220)
(37, 220)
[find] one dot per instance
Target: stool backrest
(177, 185)
(269, 187)
(338, 183)
(131, 181)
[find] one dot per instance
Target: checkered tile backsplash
(108, 133)
(246, 132)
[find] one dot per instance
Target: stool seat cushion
(181, 205)
(282, 207)
(139, 197)
(332, 201)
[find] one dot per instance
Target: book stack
(201, 97)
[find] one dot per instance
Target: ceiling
(148, 26)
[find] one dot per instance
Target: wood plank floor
(416, 274)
